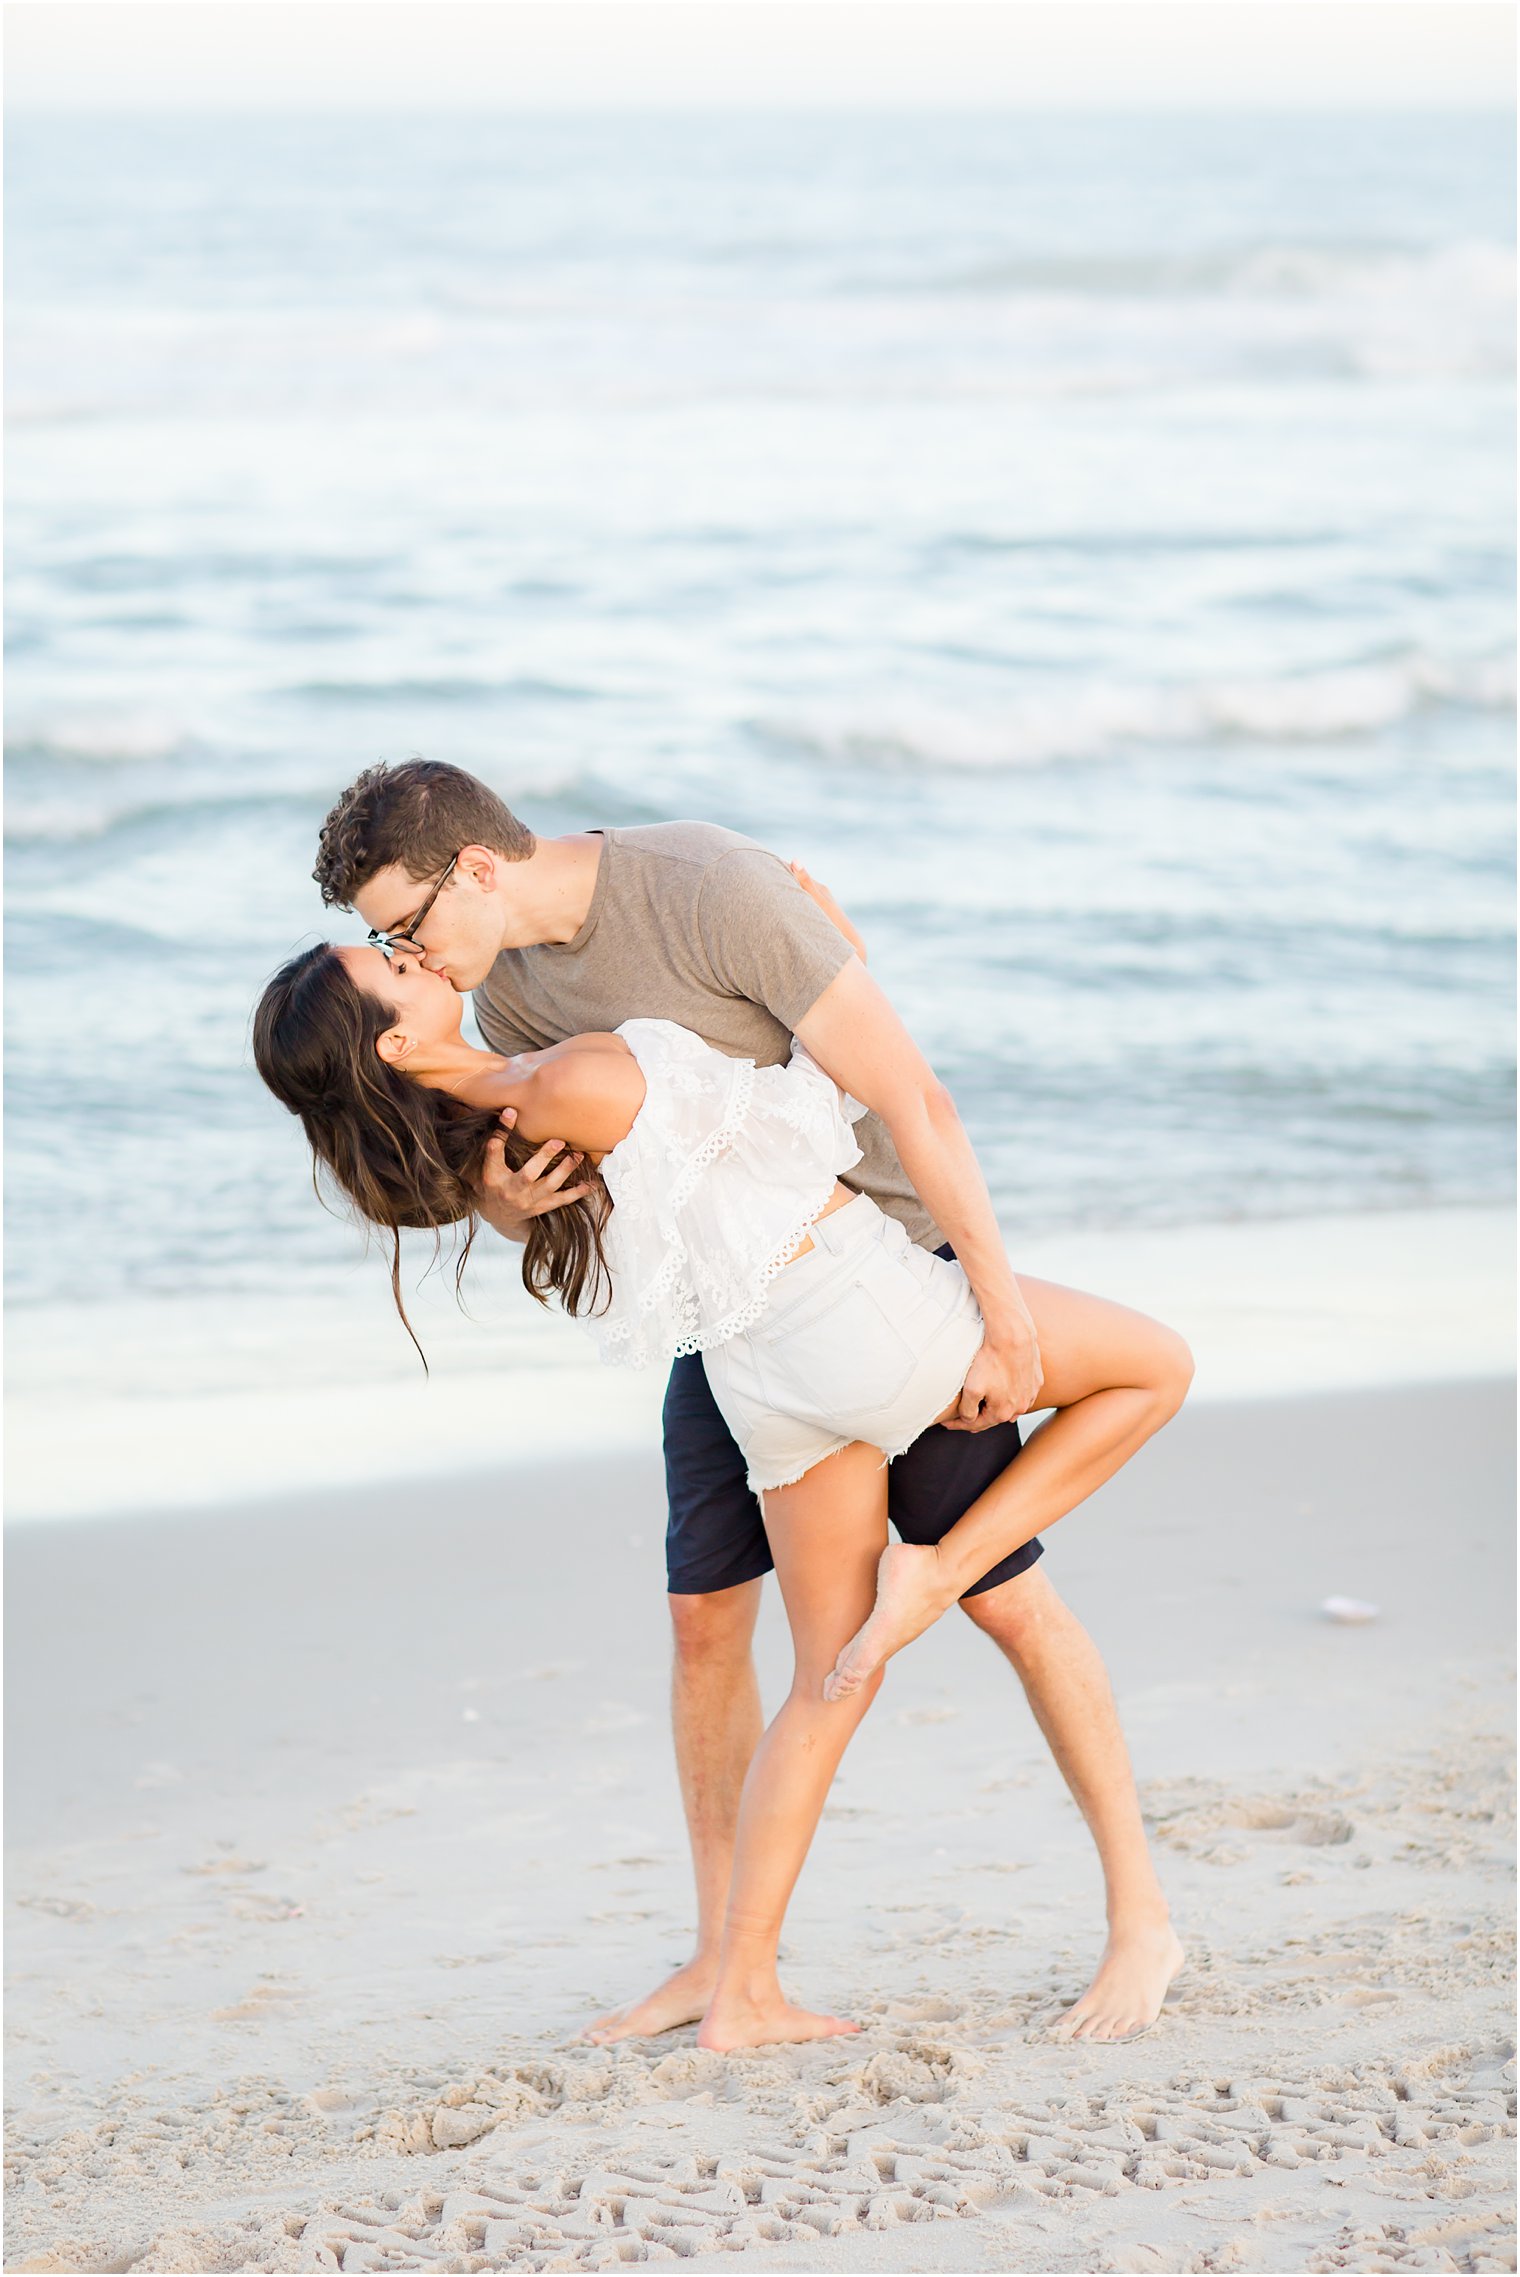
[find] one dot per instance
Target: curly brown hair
(418, 814)
(403, 1154)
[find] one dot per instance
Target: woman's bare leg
(826, 1535)
(1114, 1377)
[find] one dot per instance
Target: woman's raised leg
(826, 1535)
(1114, 1377)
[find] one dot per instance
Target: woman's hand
(509, 1200)
(829, 906)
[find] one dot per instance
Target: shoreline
(485, 1479)
(267, 1400)
(333, 1819)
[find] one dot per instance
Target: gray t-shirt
(692, 923)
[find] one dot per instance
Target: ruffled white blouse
(724, 1170)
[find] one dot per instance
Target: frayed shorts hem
(759, 1485)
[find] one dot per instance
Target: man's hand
(509, 1200)
(1003, 1381)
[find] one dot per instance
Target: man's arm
(855, 1035)
(768, 939)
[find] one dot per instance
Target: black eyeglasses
(389, 940)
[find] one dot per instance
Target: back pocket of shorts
(850, 1359)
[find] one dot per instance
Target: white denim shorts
(866, 1337)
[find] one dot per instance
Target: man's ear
(479, 865)
(394, 1046)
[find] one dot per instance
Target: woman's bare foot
(1125, 1996)
(911, 1594)
(756, 2021)
(681, 1999)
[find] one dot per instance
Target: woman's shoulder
(586, 1093)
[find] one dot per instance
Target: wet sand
(332, 1819)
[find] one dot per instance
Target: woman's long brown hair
(403, 1154)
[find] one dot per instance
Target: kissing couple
(721, 1149)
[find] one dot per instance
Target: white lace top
(724, 1170)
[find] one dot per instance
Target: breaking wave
(1107, 717)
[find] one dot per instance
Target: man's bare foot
(1124, 1998)
(735, 2021)
(681, 1999)
(911, 1594)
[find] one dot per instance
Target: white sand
(333, 1819)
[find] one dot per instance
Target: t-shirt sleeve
(765, 938)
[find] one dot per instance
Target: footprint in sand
(264, 2000)
(925, 2011)
(1319, 1829)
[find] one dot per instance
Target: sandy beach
(333, 1818)
(1067, 506)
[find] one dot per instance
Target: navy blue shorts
(716, 1535)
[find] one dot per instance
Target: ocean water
(1086, 543)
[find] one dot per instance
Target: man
(692, 923)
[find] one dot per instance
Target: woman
(713, 1220)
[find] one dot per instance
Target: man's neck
(552, 891)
